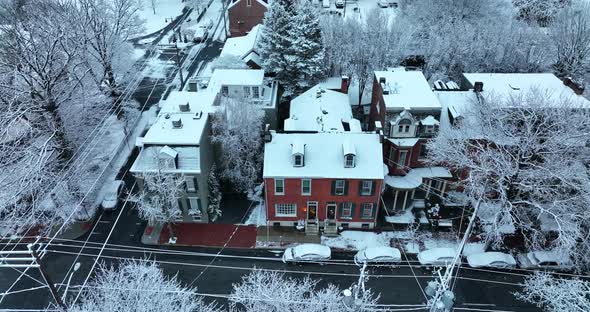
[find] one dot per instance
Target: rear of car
(437, 256)
(543, 259)
(377, 255)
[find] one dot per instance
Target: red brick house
(243, 15)
(323, 180)
(408, 112)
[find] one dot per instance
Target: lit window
(306, 187)
(279, 186)
(285, 210)
(339, 188)
(349, 161)
(366, 187)
(367, 210)
(346, 210)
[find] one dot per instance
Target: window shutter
(360, 187)
(374, 211)
(372, 188)
(345, 187)
(180, 204)
(353, 206)
(333, 191)
(340, 210)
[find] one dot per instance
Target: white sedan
(307, 253)
(377, 255)
(112, 195)
(437, 256)
(545, 259)
(492, 260)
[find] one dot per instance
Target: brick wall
(243, 17)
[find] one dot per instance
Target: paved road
(211, 274)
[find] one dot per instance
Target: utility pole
(179, 65)
(32, 261)
(442, 296)
(223, 10)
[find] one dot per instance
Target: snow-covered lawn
(257, 215)
(357, 240)
(166, 11)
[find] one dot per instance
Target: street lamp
(76, 267)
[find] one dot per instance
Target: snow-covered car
(437, 256)
(325, 3)
(201, 33)
(207, 23)
(386, 3)
(377, 255)
(112, 195)
(339, 4)
(306, 253)
(491, 259)
(544, 259)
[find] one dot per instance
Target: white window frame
(190, 184)
(193, 202)
(346, 206)
(282, 186)
(366, 187)
(247, 91)
(255, 92)
(336, 187)
(402, 162)
(281, 210)
(365, 206)
(303, 189)
(349, 161)
(298, 157)
(249, 2)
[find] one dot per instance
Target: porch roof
(415, 177)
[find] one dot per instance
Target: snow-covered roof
(201, 101)
(414, 178)
(188, 160)
(434, 255)
(236, 77)
(321, 110)
(263, 2)
(506, 85)
(324, 156)
(348, 148)
(404, 142)
(164, 133)
(429, 121)
(242, 46)
(331, 83)
(407, 90)
(454, 104)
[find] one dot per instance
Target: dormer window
(349, 161)
(167, 158)
(298, 160)
(404, 126)
(298, 154)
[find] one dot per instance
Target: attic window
(298, 160)
(404, 126)
(298, 153)
(349, 161)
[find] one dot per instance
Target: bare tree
(527, 156)
(556, 294)
(272, 291)
(539, 11)
(238, 131)
(138, 286)
(571, 36)
(161, 191)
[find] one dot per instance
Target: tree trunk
(56, 123)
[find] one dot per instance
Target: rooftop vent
(346, 126)
(177, 123)
(184, 107)
(381, 79)
(478, 86)
(167, 116)
(318, 93)
(198, 115)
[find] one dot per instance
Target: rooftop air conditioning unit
(177, 123)
(184, 107)
(198, 115)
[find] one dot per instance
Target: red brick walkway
(211, 235)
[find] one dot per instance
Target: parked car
(437, 256)
(377, 255)
(339, 4)
(387, 3)
(112, 196)
(492, 260)
(306, 253)
(543, 259)
(201, 33)
(325, 3)
(207, 23)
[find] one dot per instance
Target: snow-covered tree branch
(556, 294)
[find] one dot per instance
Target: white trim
(335, 205)
(401, 163)
(302, 192)
(285, 206)
(346, 205)
(283, 185)
(336, 187)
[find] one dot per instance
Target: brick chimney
(344, 84)
(478, 86)
(577, 88)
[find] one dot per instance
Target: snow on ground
(473, 248)
(360, 240)
(257, 215)
(431, 243)
(166, 11)
(157, 68)
(138, 53)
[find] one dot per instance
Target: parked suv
(547, 260)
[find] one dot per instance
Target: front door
(331, 212)
(312, 211)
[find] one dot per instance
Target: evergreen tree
(308, 54)
(214, 196)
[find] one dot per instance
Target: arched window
(298, 160)
(404, 126)
(349, 161)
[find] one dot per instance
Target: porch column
(413, 192)
(444, 187)
(428, 188)
(395, 200)
(405, 199)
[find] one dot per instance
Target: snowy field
(166, 11)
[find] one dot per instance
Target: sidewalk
(202, 235)
(271, 237)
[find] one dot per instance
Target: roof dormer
(298, 154)
(349, 154)
(167, 157)
(403, 126)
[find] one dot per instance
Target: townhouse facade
(323, 181)
(243, 15)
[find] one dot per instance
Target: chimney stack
(478, 86)
(379, 130)
(344, 84)
(267, 134)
